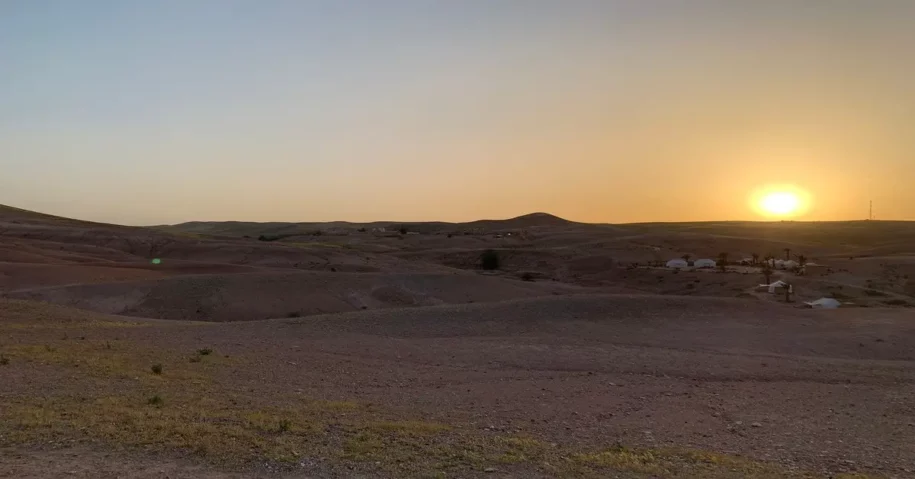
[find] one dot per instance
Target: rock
(490, 470)
(756, 424)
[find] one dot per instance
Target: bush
(4, 360)
(155, 401)
(205, 351)
(285, 424)
(527, 276)
(489, 260)
(403, 231)
(267, 238)
(156, 368)
(195, 359)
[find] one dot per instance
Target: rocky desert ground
(230, 350)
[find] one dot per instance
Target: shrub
(195, 359)
(4, 360)
(403, 231)
(205, 351)
(489, 260)
(527, 276)
(156, 368)
(156, 401)
(285, 424)
(267, 238)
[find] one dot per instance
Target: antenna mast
(871, 214)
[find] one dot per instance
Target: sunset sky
(149, 112)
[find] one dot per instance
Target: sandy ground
(394, 356)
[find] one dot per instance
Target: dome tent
(677, 264)
(705, 263)
(824, 303)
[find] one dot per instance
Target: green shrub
(156, 368)
(156, 401)
(205, 351)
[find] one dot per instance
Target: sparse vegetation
(285, 425)
(551, 351)
(489, 260)
(767, 272)
(268, 238)
(723, 261)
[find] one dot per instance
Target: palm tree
(767, 272)
(723, 261)
(801, 260)
(787, 253)
(801, 264)
(755, 259)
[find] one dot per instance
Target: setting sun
(780, 203)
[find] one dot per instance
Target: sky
(153, 112)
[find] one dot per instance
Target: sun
(780, 203)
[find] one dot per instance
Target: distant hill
(240, 228)
(525, 221)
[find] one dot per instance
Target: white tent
(778, 284)
(677, 264)
(790, 264)
(824, 303)
(704, 263)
